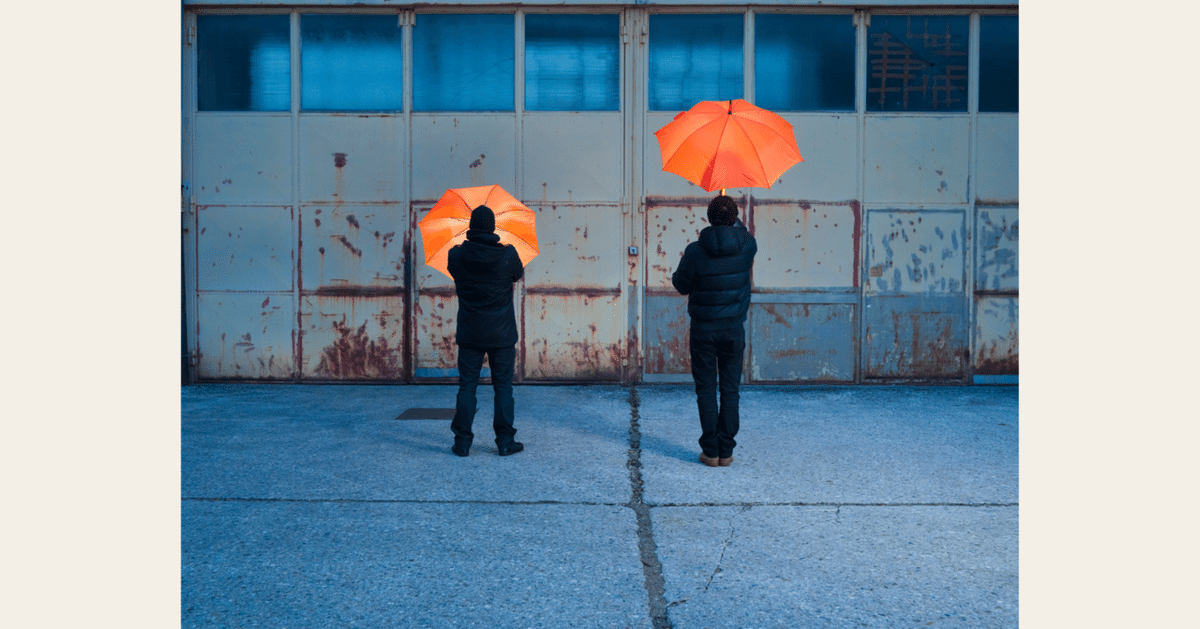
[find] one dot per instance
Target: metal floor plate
(427, 413)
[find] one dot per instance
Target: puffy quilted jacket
(715, 275)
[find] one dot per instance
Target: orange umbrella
(446, 223)
(728, 144)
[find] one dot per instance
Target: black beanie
(722, 210)
(483, 220)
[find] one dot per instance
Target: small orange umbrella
(446, 223)
(728, 144)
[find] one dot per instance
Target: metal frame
(634, 27)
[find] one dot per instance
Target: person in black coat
(484, 272)
(715, 275)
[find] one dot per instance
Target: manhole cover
(427, 413)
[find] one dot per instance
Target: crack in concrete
(724, 547)
(651, 566)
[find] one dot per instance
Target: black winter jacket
(715, 275)
(484, 271)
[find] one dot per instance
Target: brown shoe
(725, 462)
(710, 461)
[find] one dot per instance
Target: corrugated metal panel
(352, 337)
(806, 245)
(462, 150)
(998, 252)
(435, 353)
(997, 341)
(829, 172)
(915, 252)
(352, 158)
(665, 333)
(579, 248)
(243, 159)
(572, 158)
(915, 336)
(998, 149)
(244, 248)
(802, 342)
(246, 336)
(574, 336)
(670, 226)
(916, 159)
(353, 247)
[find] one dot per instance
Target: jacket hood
(482, 252)
(724, 240)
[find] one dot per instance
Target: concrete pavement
(312, 506)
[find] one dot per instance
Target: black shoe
(460, 449)
(511, 448)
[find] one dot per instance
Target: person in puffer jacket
(484, 272)
(715, 275)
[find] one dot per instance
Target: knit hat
(722, 210)
(483, 220)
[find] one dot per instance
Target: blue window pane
(351, 62)
(243, 63)
(694, 58)
(572, 62)
(804, 62)
(917, 63)
(463, 63)
(998, 39)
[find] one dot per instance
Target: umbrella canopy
(446, 223)
(728, 144)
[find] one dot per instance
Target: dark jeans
(717, 353)
(502, 360)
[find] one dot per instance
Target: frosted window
(917, 63)
(998, 78)
(694, 58)
(351, 62)
(243, 63)
(572, 62)
(804, 62)
(463, 63)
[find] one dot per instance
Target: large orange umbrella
(446, 223)
(728, 144)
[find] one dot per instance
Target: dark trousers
(717, 364)
(503, 361)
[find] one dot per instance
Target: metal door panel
(425, 276)
(669, 229)
(461, 151)
(578, 247)
(806, 245)
(915, 336)
(829, 172)
(573, 158)
(998, 162)
(435, 353)
(792, 342)
(915, 252)
(352, 158)
(998, 251)
(666, 344)
(243, 159)
(916, 159)
(574, 336)
(245, 336)
(352, 337)
(997, 341)
(347, 247)
(244, 248)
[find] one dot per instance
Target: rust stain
(479, 162)
(265, 302)
(355, 355)
(353, 221)
(317, 221)
(355, 250)
(339, 160)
